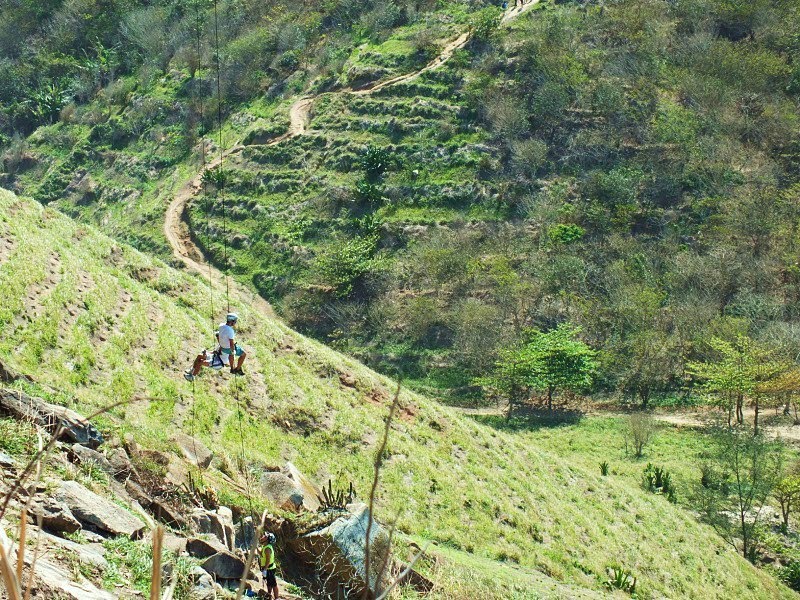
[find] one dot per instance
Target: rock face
(291, 490)
(75, 427)
(338, 551)
(200, 548)
(218, 523)
(53, 582)
(56, 515)
(194, 450)
(99, 513)
(9, 375)
(86, 455)
(224, 565)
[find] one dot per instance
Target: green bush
(658, 481)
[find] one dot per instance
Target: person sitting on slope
(226, 337)
(226, 346)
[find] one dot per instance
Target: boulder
(56, 515)
(311, 492)
(95, 511)
(85, 455)
(218, 523)
(291, 490)
(224, 565)
(340, 551)
(282, 492)
(52, 581)
(167, 514)
(245, 533)
(174, 543)
(6, 461)
(119, 461)
(194, 450)
(88, 554)
(201, 548)
(203, 585)
(50, 416)
(9, 375)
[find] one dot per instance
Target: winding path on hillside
(175, 227)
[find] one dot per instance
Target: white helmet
(231, 318)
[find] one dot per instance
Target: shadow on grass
(531, 419)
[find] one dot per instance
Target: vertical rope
(221, 179)
(246, 472)
(204, 183)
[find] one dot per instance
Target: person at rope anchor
(266, 561)
(226, 346)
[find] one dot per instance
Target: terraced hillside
(93, 320)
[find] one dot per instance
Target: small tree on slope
(546, 363)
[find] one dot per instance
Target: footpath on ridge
(177, 231)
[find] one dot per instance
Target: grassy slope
(99, 321)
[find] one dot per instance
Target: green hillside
(93, 321)
(629, 166)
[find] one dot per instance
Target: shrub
(604, 468)
(641, 429)
(658, 481)
(621, 579)
(790, 575)
(566, 233)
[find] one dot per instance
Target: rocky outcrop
(98, 513)
(224, 565)
(9, 375)
(50, 416)
(204, 548)
(56, 515)
(335, 549)
(215, 522)
(290, 490)
(84, 455)
(194, 450)
(53, 581)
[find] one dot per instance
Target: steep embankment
(93, 321)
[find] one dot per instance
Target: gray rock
(89, 554)
(224, 565)
(95, 511)
(311, 492)
(7, 461)
(9, 375)
(245, 533)
(121, 464)
(54, 582)
(50, 416)
(200, 548)
(283, 492)
(339, 547)
(194, 450)
(56, 515)
(218, 523)
(167, 514)
(86, 455)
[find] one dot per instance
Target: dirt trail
(175, 228)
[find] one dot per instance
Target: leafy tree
(545, 363)
(748, 467)
(787, 493)
(743, 368)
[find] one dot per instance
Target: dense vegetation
(514, 511)
(629, 168)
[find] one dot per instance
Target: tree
(747, 468)
(787, 493)
(744, 368)
(545, 363)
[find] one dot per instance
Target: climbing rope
(243, 466)
(221, 178)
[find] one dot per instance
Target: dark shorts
(269, 577)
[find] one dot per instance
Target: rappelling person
(266, 561)
(226, 346)
(226, 338)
